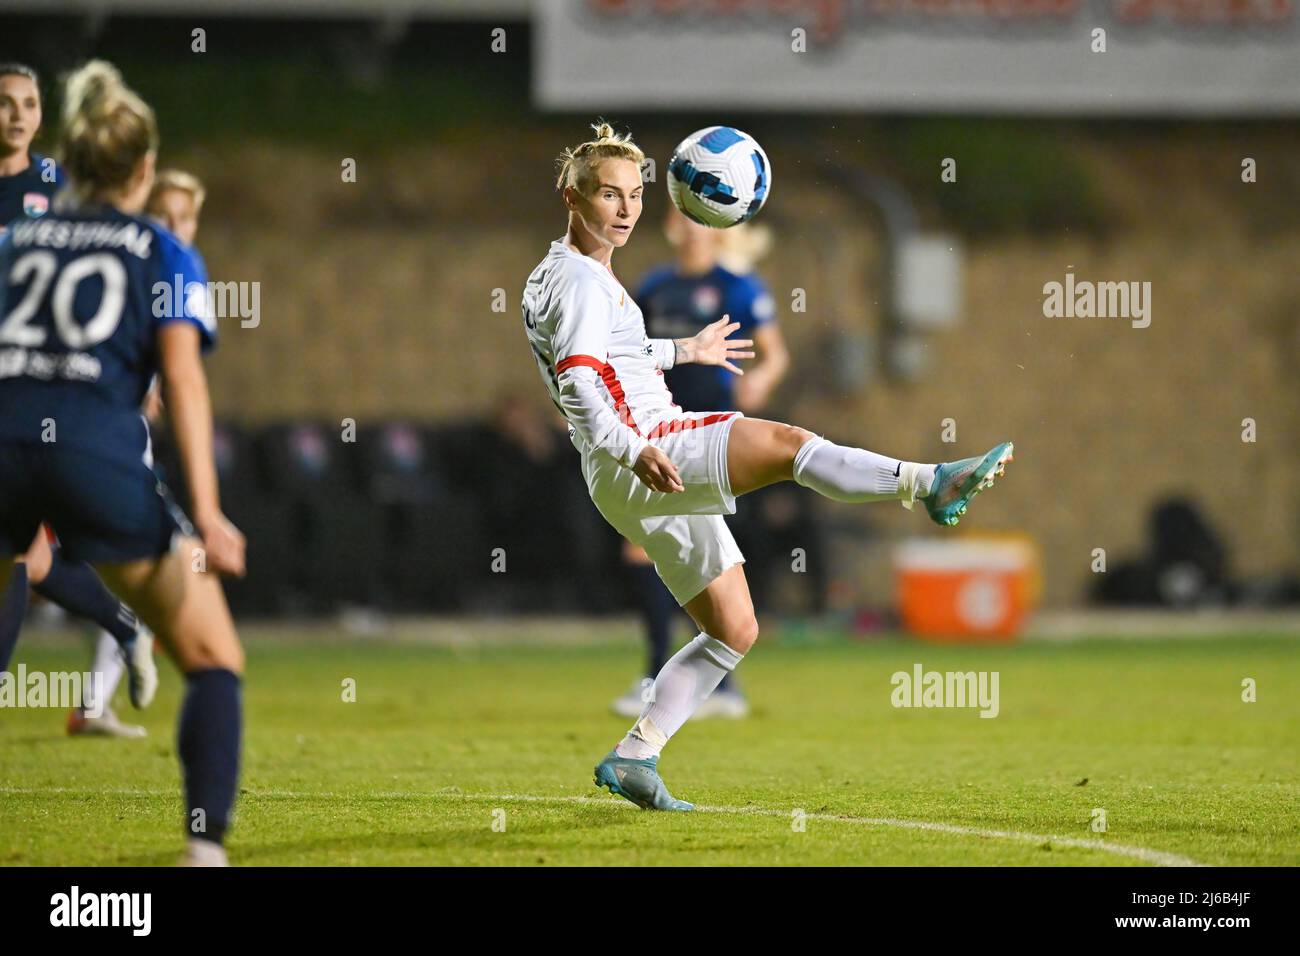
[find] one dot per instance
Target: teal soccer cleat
(957, 482)
(638, 781)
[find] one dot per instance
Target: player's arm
(182, 336)
(753, 392)
(664, 350)
(185, 390)
(711, 346)
(665, 353)
(581, 401)
(580, 344)
(751, 304)
(583, 317)
(583, 404)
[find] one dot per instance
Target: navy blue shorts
(103, 510)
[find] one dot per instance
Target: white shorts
(683, 533)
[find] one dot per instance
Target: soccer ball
(719, 176)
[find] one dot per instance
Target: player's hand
(712, 347)
(223, 544)
(657, 472)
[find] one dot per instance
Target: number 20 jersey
(82, 296)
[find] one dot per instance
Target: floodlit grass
(441, 744)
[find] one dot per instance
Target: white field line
(1153, 857)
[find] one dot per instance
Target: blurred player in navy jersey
(711, 277)
(95, 300)
(176, 202)
(28, 183)
(28, 180)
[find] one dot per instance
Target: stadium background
(379, 304)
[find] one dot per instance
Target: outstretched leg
(760, 453)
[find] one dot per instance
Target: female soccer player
(176, 201)
(28, 183)
(81, 336)
(677, 300)
(663, 477)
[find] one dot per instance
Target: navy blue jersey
(82, 296)
(677, 306)
(28, 194)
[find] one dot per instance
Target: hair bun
(107, 129)
(576, 162)
(91, 92)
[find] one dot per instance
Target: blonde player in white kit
(663, 477)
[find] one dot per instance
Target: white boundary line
(1144, 854)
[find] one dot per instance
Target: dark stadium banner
(1154, 57)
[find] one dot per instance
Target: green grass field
(442, 744)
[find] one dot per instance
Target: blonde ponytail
(107, 129)
(578, 164)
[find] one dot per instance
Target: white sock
(856, 475)
(200, 852)
(108, 662)
(682, 685)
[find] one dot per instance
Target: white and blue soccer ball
(719, 176)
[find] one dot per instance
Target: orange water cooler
(966, 590)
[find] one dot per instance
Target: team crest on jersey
(35, 204)
(705, 301)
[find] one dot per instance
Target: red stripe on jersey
(611, 382)
(588, 360)
(686, 424)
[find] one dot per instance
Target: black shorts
(103, 510)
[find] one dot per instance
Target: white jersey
(589, 339)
